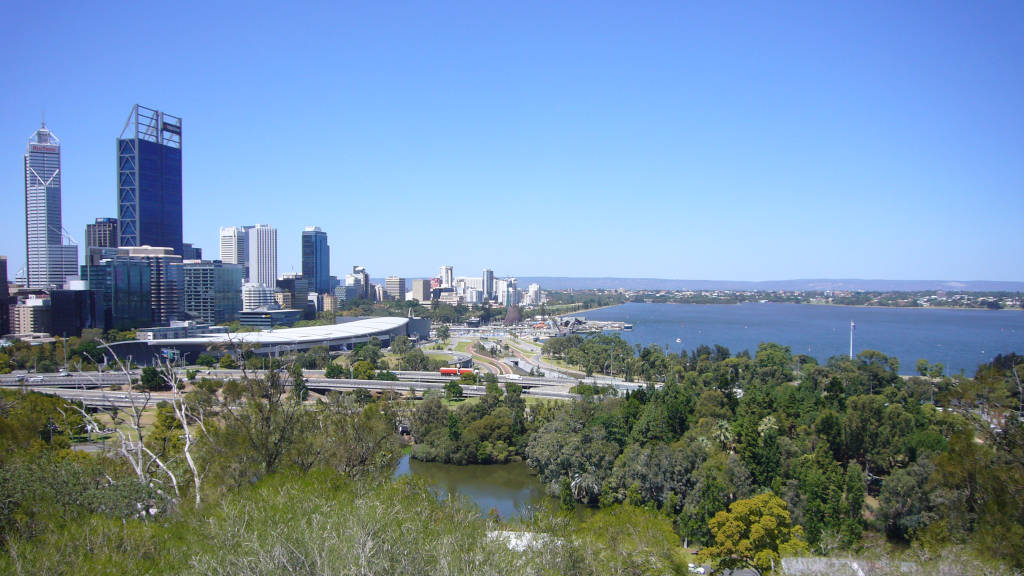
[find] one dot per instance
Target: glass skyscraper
(213, 291)
(316, 260)
(48, 260)
(149, 180)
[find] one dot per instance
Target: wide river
(959, 339)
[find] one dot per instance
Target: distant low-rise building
(266, 319)
(330, 302)
(190, 252)
(256, 296)
(72, 310)
(450, 298)
(31, 315)
(183, 329)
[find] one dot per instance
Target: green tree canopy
(753, 534)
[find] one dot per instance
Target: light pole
(852, 326)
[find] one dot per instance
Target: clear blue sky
(725, 140)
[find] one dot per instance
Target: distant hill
(567, 283)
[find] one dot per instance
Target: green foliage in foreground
(322, 522)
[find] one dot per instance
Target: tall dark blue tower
(149, 180)
(316, 259)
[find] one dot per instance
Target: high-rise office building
(316, 259)
(213, 291)
(421, 290)
(488, 283)
(166, 279)
(48, 259)
(533, 295)
(101, 240)
(149, 180)
(297, 288)
(511, 292)
(5, 299)
(262, 248)
(447, 276)
(234, 247)
(101, 234)
(395, 287)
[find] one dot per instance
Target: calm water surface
(508, 488)
(959, 339)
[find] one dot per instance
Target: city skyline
(679, 142)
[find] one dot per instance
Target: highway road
(535, 386)
(121, 399)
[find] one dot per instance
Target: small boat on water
(679, 340)
(627, 326)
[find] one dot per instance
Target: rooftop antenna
(852, 326)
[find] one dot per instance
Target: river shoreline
(868, 306)
(958, 338)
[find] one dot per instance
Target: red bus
(456, 371)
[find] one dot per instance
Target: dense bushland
(856, 451)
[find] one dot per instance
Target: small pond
(510, 489)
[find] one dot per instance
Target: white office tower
(363, 281)
(447, 276)
(263, 255)
(499, 290)
(507, 290)
(511, 292)
(257, 296)
(533, 295)
(49, 260)
(234, 247)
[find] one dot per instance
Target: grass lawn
(147, 421)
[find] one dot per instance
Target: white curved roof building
(334, 336)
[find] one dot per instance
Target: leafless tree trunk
(185, 417)
(132, 445)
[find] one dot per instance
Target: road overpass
(100, 398)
